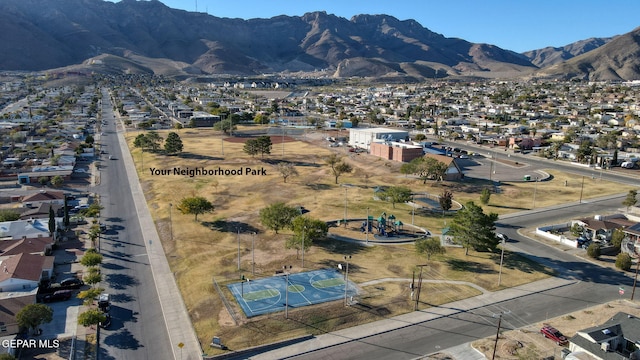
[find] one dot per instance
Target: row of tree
(152, 141)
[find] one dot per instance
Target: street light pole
(366, 230)
(304, 231)
(170, 221)
(501, 258)
(253, 254)
(535, 190)
(286, 269)
(346, 281)
(238, 238)
(345, 207)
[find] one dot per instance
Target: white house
(24, 272)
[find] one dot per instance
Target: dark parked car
(60, 295)
(553, 334)
(71, 283)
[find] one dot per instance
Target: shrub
(623, 261)
(593, 251)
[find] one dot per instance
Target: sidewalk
(460, 352)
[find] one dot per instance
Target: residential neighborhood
(54, 153)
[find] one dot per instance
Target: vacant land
(208, 249)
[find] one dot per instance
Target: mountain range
(148, 37)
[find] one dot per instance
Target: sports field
(267, 295)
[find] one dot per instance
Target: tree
(264, 145)
(278, 216)
(474, 229)
(141, 142)
(91, 258)
(616, 238)
(631, 199)
(93, 277)
(8, 215)
(420, 137)
(623, 261)
(485, 196)
(66, 212)
(338, 167)
(7, 357)
(429, 246)
(195, 205)
(154, 139)
(425, 168)
(225, 126)
(594, 251)
(260, 118)
(251, 147)
(33, 315)
(93, 210)
(57, 181)
(91, 317)
(173, 144)
(286, 170)
(90, 294)
(89, 140)
(52, 220)
(446, 200)
(307, 229)
(396, 194)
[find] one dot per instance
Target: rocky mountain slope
(132, 36)
(553, 55)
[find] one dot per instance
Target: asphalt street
(138, 329)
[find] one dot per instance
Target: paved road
(138, 329)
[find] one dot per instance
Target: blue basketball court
(267, 295)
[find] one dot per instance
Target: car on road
(502, 237)
(71, 283)
(552, 333)
(104, 303)
(60, 295)
(107, 321)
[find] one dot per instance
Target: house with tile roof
(39, 245)
(24, 272)
(10, 306)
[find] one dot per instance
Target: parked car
(71, 283)
(502, 237)
(552, 333)
(60, 295)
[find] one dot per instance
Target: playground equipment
(384, 225)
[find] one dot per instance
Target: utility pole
(495, 344)
(501, 259)
(581, 189)
(419, 287)
(366, 230)
(345, 207)
(635, 279)
(304, 231)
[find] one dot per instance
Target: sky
(517, 25)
